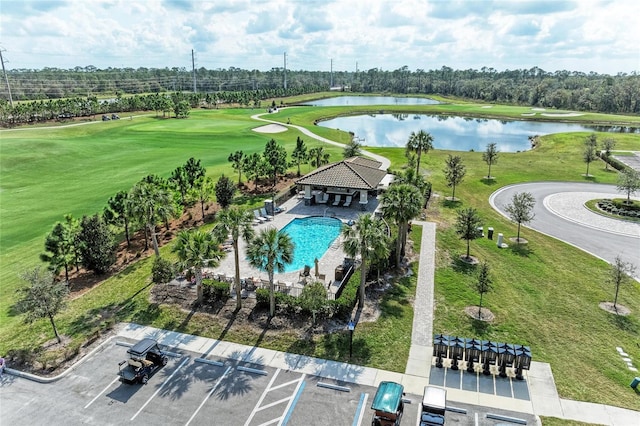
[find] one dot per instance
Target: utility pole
(355, 76)
(331, 80)
(193, 66)
(6, 80)
(285, 71)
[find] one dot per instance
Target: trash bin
(490, 233)
(339, 273)
(635, 382)
(269, 206)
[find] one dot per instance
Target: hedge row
(341, 307)
(613, 162)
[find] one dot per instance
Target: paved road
(560, 213)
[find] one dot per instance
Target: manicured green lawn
(47, 173)
(545, 295)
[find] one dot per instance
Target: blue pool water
(312, 237)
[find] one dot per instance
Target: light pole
(351, 326)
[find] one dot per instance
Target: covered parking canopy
(354, 176)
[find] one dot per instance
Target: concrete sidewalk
(544, 398)
(537, 394)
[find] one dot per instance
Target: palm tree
(236, 223)
(299, 154)
(318, 156)
(352, 149)
(270, 251)
(151, 203)
(197, 249)
(401, 203)
(410, 177)
(419, 142)
(368, 238)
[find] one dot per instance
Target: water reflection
(370, 100)
(455, 133)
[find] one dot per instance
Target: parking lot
(191, 390)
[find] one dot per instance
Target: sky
(319, 35)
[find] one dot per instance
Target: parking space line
(292, 404)
(213, 389)
(357, 420)
(270, 422)
(264, 407)
(101, 392)
(264, 394)
(285, 384)
(160, 388)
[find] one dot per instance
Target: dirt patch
(617, 310)
(255, 318)
(521, 241)
(81, 280)
(485, 315)
(471, 260)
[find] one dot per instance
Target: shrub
(313, 300)
(215, 290)
(621, 203)
(162, 271)
(343, 305)
(285, 303)
(614, 163)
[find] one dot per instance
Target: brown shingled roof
(354, 172)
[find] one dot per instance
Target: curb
(40, 379)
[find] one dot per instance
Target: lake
(370, 100)
(453, 133)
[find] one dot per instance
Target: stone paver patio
(295, 208)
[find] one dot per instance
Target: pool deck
(295, 208)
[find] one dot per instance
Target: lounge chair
(256, 213)
(337, 200)
(347, 202)
(306, 271)
(322, 198)
(263, 213)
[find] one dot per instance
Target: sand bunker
(271, 128)
(528, 114)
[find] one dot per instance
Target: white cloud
(585, 35)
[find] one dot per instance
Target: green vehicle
(388, 405)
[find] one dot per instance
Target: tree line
(563, 89)
(163, 103)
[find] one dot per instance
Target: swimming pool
(312, 237)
